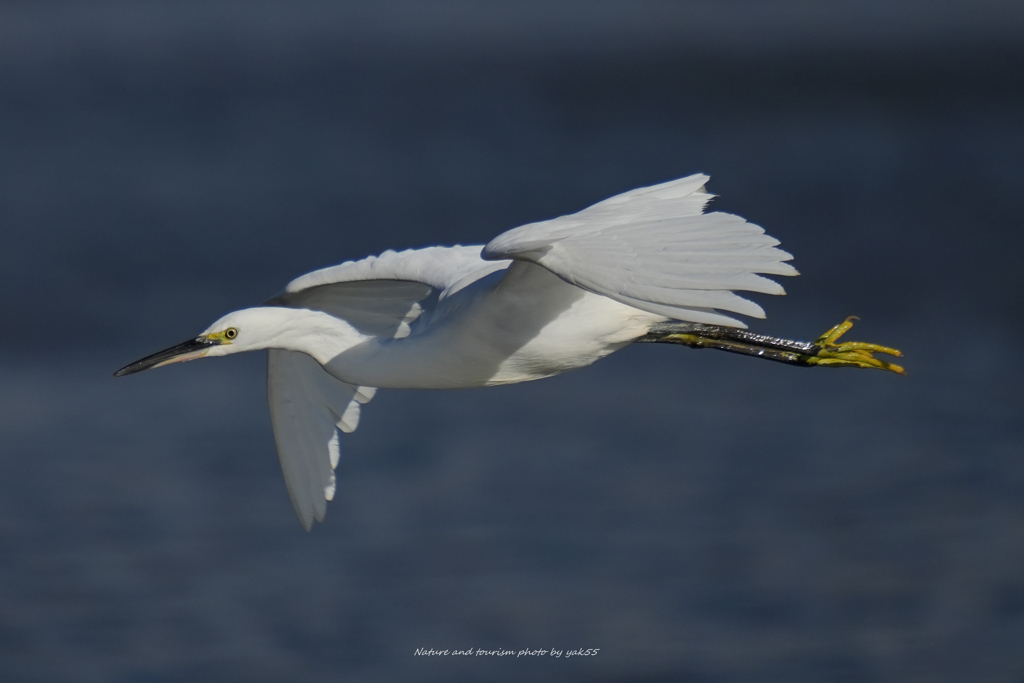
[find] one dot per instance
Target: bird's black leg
(823, 351)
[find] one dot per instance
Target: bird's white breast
(513, 326)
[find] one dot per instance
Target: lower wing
(308, 407)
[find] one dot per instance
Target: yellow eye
(230, 333)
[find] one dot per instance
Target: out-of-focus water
(695, 516)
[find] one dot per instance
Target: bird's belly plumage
(527, 325)
(590, 329)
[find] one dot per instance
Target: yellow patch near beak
(221, 337)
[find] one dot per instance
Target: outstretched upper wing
(382, 296)
(654, 249)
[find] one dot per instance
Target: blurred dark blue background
(695, 515)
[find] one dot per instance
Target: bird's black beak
(190, 350)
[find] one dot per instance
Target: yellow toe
(852, 354)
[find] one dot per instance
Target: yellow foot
(851, 354)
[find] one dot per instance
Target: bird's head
(246, 330)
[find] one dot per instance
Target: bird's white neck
(345, 352)
(314, 333)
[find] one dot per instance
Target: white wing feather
(445, 269)
(380, 295)
(307, 408)
(380, 308)
(383, 295)
(653, 249)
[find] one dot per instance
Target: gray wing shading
(381, 296)
(307, 408)
(654, 249)
(381, 308)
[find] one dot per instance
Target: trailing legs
(823, 351)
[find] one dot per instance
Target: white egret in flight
(644, 266)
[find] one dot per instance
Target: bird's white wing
(383, 295)
(438, 267)
(654, 249)
(380, 295)
(307, 408)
